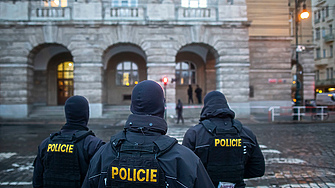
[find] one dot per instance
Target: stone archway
(125, 66)
(45, 59)
(204, 58)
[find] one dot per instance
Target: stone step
(116, 112)
(47, 112)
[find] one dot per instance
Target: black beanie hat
(148, 99)
(76, 113)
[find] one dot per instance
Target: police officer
(142, 155)
(228, 150)
(63, 158)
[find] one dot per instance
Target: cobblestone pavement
(297, 155)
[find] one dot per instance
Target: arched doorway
(64, 82)
(47, 87)
(195, 65)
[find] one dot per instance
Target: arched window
(127, 73)
(185, 73)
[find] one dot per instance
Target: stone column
(158, 70)
(88, 79)
(233, 81)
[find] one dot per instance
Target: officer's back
(228, 150)
(63, 158)
(142, 155)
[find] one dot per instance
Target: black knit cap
(148, 99)
(76, 113)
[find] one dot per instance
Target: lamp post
(303, 15)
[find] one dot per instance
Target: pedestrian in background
(190, 94)
(142, 155)
(198, 92)
(63, 158)
(179, 109)
(228, 150)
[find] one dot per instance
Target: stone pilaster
(15, 90)
(88, 81)
(233, 81)
(156, 71)
(306, 59)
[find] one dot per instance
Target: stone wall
(270, 69)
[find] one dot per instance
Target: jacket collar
(138, 123)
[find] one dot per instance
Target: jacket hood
(215, 105)
(148, 99)
(76, 113)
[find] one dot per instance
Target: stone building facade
(324, 24)
(50, 50)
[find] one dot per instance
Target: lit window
(54, 3)
(185, 73)
(124, 3)
(194, 3)
(65, 70)
(127, 73)
(65, 79)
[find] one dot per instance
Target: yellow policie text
(64, 148)
(133, 174)
(228, 142)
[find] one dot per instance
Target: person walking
(179, 109)
(142, 155)
(198, 92)
(63, 158)
(190, 94)
(228, 150)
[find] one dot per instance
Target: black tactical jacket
(218, 112)
(91, 144)
(181, 166)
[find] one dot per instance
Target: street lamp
(303, 15)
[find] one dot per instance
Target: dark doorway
(64, 82)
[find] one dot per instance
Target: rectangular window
(124, 3)
(323, 14)
(328, 75)
(194, 3)
(55, 3)
(323, 32)
(251, 91)
(331, 73)
(324, 53)
(317, 34)
(327, 11)
(330, 29)
(331, 53)
(318, 53)
(319, 15)
(317, 75)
